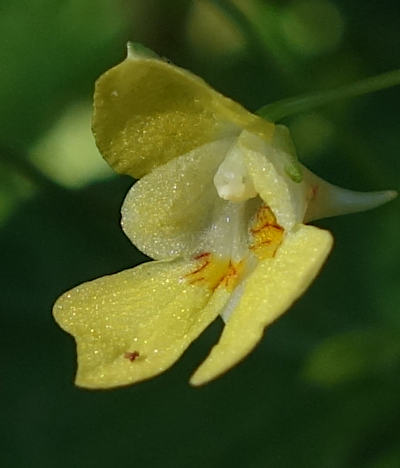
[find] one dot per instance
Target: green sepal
(285, 143)
(293, 170)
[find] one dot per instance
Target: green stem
(286, 107)
(242, 22)
(237, 16)
(262, 40)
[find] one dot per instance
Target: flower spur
(220, 205)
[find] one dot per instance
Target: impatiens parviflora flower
(220, 205)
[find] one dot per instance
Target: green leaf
(304, 103)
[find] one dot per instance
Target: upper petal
(135, 324)
(273, 286)
(147, 111)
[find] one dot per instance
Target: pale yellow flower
(220, 206)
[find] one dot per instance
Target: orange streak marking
(215, 272)
(267, 234)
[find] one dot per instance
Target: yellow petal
(147, 111)
(135, 324)
(167, 212)
(271, 289)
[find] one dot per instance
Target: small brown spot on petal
(314, 192)
(131, 355)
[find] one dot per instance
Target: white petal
(266, 166)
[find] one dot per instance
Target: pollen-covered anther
(267, 234)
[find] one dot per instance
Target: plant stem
(286, 107)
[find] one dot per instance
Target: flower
(220, 205)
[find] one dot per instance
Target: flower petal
(147, 111)
(135, 324)
(266, 162)
(273, 286)
(167, 211)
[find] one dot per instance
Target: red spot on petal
(314, 192)
(201, 255)
(132, 355)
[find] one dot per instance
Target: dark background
(322, 389)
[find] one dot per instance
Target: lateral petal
(166, 213)
(135, 324)
(270, 290)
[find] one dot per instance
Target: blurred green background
(323, 388)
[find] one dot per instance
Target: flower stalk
(278, 110)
